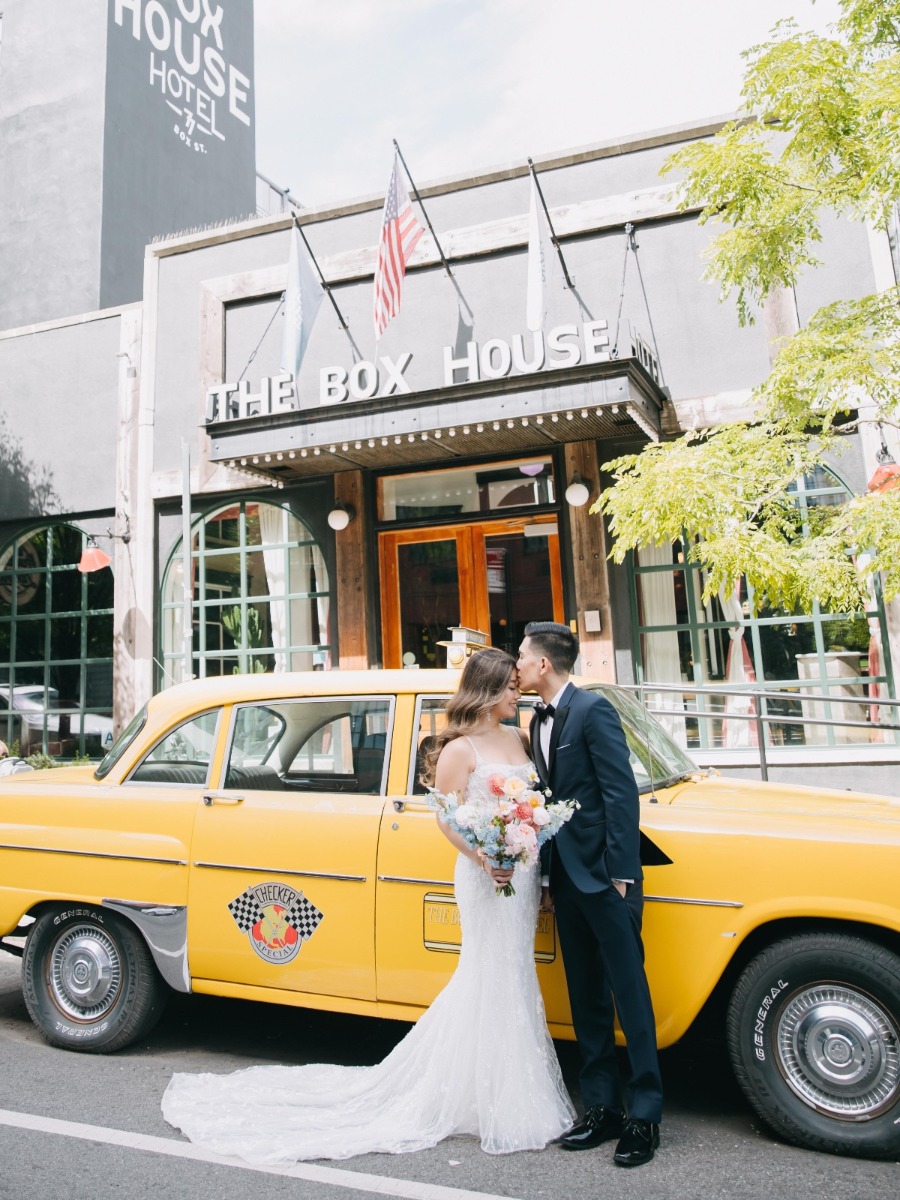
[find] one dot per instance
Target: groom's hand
(546, 901)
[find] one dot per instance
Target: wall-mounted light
(887, 473)
(95, 559)
(577, 492)
(341, 515)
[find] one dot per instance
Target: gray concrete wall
(58, 419)
(51, 151)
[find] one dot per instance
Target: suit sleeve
(608, 749)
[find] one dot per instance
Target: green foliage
(820, 133)
(41, 762)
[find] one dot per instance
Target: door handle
(210, 798)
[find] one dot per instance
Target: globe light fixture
(577, 493)
(340, 516)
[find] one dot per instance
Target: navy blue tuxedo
(599, 930)
(589, 763)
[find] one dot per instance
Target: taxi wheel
(89, 980)
(814, 1038)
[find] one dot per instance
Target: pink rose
(495, 784)
(524, 811)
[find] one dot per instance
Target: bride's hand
(500, 875)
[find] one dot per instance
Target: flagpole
(553, 237)
(412, 184)
(326, 287)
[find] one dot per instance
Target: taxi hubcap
(840, 1051)
(85, 973)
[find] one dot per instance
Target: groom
(593, 873)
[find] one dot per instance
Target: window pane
(435, 494)
(283, 623)
(322, 745)
(183, 755)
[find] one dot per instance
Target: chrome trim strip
(690, 900)
(281, 871)
(403, 879)
(171, 862)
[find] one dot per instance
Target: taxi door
(418, 929)
(282, 890)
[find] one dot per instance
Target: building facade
(402, 488)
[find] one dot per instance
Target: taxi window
(183, 756)
(432, 718)
(329, 745)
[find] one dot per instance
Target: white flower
(466, 815)
(540, 816)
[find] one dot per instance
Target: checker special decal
(277, 919)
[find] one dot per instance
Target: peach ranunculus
(496, 785)
(524, 810)
(514, 786)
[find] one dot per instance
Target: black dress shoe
(599, 1124)
(636, 1145)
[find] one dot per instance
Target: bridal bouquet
(510, 825)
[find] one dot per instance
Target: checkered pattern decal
(246, 910)
(302, 915)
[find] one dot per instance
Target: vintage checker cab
(265, 836)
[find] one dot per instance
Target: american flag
(400, 231)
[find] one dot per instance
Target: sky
(468, 84)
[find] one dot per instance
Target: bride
(480, 1061)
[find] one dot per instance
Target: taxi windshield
(656, 758)
(122, 742)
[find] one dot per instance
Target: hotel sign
(187, 65)
(523, 354)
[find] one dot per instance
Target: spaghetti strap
(478, 758)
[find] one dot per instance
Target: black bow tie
(543, 711)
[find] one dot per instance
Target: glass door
(494, 576)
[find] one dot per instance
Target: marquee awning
(612, 401)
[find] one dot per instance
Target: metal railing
(762, 720)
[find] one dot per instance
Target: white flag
(540, 259)
(303, 296)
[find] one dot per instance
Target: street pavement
(712, 1145)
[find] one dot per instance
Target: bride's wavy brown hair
(484, 680)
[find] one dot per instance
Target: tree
(820, 133)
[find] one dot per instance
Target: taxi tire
(89, 980)
(823, 1011)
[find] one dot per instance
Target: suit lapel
(559, 720)
(534, 736)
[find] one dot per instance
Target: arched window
(56, 646)
(840, 657)
(260, 596)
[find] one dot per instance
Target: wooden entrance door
(495, 576)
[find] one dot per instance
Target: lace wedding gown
(480, 1061)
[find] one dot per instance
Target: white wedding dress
(480, 1061)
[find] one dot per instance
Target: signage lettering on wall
(187, 65)
(525, 354)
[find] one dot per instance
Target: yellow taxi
(265, 836)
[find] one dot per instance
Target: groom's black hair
(554, 641)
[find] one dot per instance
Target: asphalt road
(712, 1146)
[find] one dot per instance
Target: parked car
(25, 709)
(264, 836)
